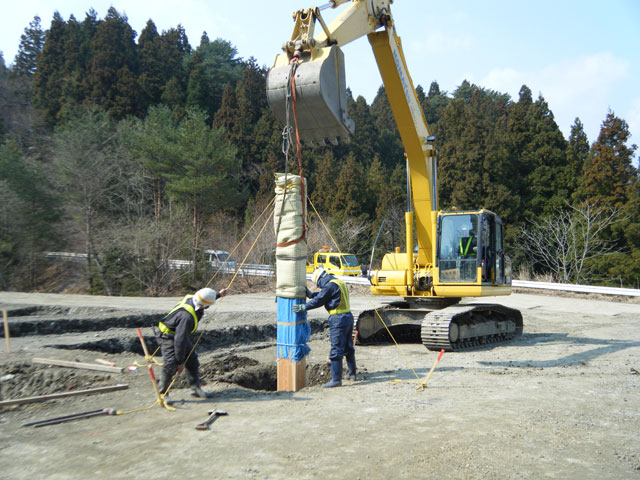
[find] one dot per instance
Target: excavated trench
(217, 349)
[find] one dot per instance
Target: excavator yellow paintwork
(458, 253)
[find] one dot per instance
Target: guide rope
(368, 299)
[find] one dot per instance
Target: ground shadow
(602, 347)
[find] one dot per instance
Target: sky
(582, 56)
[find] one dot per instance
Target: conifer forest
(136, 149)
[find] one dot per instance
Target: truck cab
(335, 263)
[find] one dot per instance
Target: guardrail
(269, 271)
(566, 287)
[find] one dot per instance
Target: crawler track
(452, 328)
(463, 327)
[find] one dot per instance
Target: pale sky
(583, 56)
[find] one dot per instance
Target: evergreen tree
(546, 153)
(389, 145)
(29, 213)
(364, 140)
(174, 48)
(577, 152)
(609, 171)
(326, 173)
(31, 43)
(210, 68)
(153, 144)
(433, 106)
(474, 167)
(349, 193)
(73, 70)
(4, 96)
(112, 74)
(206, 177)
(152, 79)
(48, 77)
(240, 114)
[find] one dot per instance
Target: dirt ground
(562, 401)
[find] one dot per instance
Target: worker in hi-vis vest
(174, 336)
(334, 296)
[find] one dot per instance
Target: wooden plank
(53, 396)
(104, 362)
(87, 366)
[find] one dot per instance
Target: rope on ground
(369, 300)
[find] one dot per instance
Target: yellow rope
(217, 303)
(241, 240)
(369, 300)
(216, 273)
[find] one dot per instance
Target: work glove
(309, 293)
(299, 308)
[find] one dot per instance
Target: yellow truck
(335, 263)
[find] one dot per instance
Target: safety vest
(189, 308)
(343, 306)
(464, 249)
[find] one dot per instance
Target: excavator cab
(470, 249)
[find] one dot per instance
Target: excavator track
(449, 327)
(463, 327)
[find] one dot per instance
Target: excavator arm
(307, 82)
(313, 57)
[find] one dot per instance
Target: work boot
(194, 384)
(165, 379)
(336, 375)
(351, 368)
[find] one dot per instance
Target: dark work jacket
(182, 323)
(328, 297)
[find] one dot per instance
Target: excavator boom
(457, 253)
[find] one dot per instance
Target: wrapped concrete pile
(291, 281)
(291, 246)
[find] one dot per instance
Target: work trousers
(341, 334)
(170, 366)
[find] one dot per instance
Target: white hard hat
(317, 273)
(204, 298)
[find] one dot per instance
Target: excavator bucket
(320, 96)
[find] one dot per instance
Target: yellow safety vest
(343, 306)
(464, 249)
(183, 304)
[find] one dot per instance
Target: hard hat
(204, 298)
(317, 273)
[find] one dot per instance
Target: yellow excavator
(456, 253)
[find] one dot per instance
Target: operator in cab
(334, 296)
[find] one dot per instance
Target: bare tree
(564, 243)
(151, 248)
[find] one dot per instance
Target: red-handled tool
(423, 385)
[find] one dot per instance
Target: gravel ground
(562, 401)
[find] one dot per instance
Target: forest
(138, 149)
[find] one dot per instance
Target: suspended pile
(291, 245)
(291, 281)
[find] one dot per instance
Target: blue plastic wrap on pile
(293, 330)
